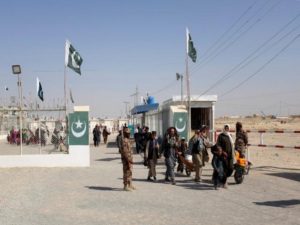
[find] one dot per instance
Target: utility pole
(136, 96)
(126, 109)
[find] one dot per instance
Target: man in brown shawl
(226, 142)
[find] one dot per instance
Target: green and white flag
(72, 58)
(191, 51)
(39, 89)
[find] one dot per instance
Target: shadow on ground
(281, 203)
(112, 153)
(111, 145)
(268, 168)
(188, 183)
(287, 175)
(109, 159)
(197, 186)
(99, 188)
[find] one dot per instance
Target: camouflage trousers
(198, 164)
(127, 172)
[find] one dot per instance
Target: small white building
(173, 112)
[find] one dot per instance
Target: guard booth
(173, 113)
(176, 116)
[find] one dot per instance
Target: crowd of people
(174, 149)
(97, 131)
(40, 136)
(28, 136)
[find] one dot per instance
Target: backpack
(195, 149)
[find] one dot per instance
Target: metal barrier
(262, 132)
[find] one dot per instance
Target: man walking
(105, 134)
(225, 141)
(170, 143)
(96, 135)
(151, 155)
(199, 152)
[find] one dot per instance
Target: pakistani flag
(39, 89)
(72, 58)
(191, 51)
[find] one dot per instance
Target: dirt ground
(266, 156)
(94, 195)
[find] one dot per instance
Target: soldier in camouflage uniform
(127, 160)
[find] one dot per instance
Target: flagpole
(40, 135)
(39, 126)
(188, 87)
(65, 89)
(36, 108)
(188, 95)
(65, 80)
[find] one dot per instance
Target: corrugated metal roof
(144, 108)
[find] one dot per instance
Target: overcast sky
(125, 44)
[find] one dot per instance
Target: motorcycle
(242, 168)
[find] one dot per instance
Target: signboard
(131, 128)
(180, 123)
(78, 128)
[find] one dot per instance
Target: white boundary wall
(79, 156)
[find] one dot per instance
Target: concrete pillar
(212, 119)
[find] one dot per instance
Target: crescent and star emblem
(74, 63)
(78, 125)
(182, 128)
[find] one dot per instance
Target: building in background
(173, 112)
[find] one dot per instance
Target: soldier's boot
(126, 188)
(131, 186)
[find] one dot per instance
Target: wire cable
(229, 29)
(228, 43)
(224, 34)
(263, 66)
(260, 48)
(171, 84)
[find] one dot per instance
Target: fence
(32, 131)
(294, 137)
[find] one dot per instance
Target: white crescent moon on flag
(180, 129)
(74, 64)
(78, 134)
